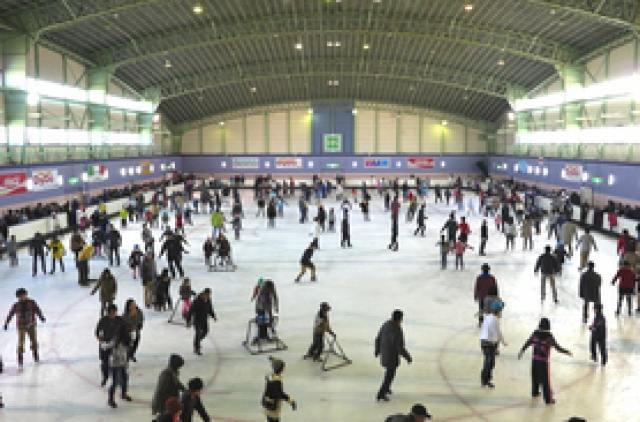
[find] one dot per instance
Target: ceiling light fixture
(299, 46)
(500, 62)
(468, 7)
(221, 123)
(253, 89)
(366, 46)
(197, 8)
(337, 44)
(354, 111)
(329, 43)
(310, 111)
(167, 63)
(444, 123)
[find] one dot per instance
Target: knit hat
(420, 410)
(325, 306)
(485, 267)
(176, 362)
(196, 384)
(276, 364)
(173, 406)
(545, 324)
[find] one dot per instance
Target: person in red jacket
(464, 229)
(624, 243)
(483, 283)
(625, 288)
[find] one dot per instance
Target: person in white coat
(490, 339)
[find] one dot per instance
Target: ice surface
(363, 285)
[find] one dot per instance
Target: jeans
(601, 343)
(53, 264)
(216, 230)
(459, 260)
(483, 244)
(178, 265)
(134, 345)
(105, 354)
(33, 339)
(489, 351)
(112, 252)
(527, 241)
(444, 260)
(389, 375)
(201, 332)
(543, 286)
(35, 263)
(119, 377)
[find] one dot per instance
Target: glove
(519, 355)
(334, 335)
(6, 327)
(375, 354)
(43, 319)
(294, 405)
(409, 360)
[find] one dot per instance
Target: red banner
(13, 184)
(421, 162)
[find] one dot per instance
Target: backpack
(267, 402)
(631, 244)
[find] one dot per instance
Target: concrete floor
(364, 285)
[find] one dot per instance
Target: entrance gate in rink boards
(333, 348)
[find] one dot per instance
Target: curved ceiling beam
(335, 69)
(349, 23)
(34, 19)
(391, 106)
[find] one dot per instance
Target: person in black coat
(484, 237)
(114, 240)
(548, 265)
(599, 335)
(420, 220)
(198, 316)
(36, 249)
(106, 330)
(274, 393)
(346, 231)
(590, 282)
(173, 248)
(305, 262)
(191, 402)
(389, 345)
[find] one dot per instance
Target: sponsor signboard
(332, 142)
(288, 163)
(97, 173)
(245, 163)
(572, 173)
(13, 184)
(44, 179)
(421, 162)
(377, 163)
(145, 167)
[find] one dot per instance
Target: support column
(14, 59)
(98, 82)
(145, 130)
(573, 78)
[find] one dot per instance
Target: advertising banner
(97, 173)
(332, 142)
(245, 163)
(288, 163)
(377, 163)
(421, 162)
(13, 184)
(44, 179)
(572, 173)
(145, 167)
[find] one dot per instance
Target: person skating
(305, 263)
(168, 386)
(162, 289)
(148, 274)
(585, 243)
(147, 239)
(560, 252)
(420, 221)
(393, 245)
(134, 319)
(37, 246)
(542, 341)
(548, 266)
(332, 221)
(223, 247)
(490, 339)
(484, 237)
(598, 335)
(510, 231)
(447, 195)
(625, 287)
(57, 252)
(460, 246)
(217, 223)
(198, 316)
(191, 401)
(590, 282)
(274, 394)
(345, 230)
(526, 231)
(451, 226)
(483, 283)
(208, 248)
(76, 243)
(26, 310)
(445, 246)
(418, 412)
(12, 251)
(266, 299)
(389, 345)
(108, 287)
(114, 240)
(124, 214)
(106, 332)
(119, 365)
(135, 260)
(173, 248)
(271, 214)
(464, 229)
(186, 293)
(569, 232)
(320, 327)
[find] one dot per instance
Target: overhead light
(511, 116)
(354, 111)
(337, 44)
(167, 63)
(500, 62)
(444, 123)
(221, 123)
(253, 89)
(559, 121)
(610, 116)
(333, 83)
(156, 118)
(310, 111)
(376, 1)
(552, 11)
(197, 8)
(329, 43)
(366, 46)
(468, 7)
(299, 46)
(33, 98)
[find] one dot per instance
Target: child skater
(598, 335)
(444, 251)
(498, 221)
(460, 246)
(135, 259)
(332, 221)
(208, 251)
(542, 341)
(185, 295)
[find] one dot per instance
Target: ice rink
(363, 285)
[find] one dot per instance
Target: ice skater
(445, 246)
(484, 237)
(198, 316)
(542, 341)
(598, 335)
(274, 393)
(119, 365)
(108, 287)
(26, 311)
(590, 282)
(627, 277)
(484, 282)
(389, 345)
(420, 221)
(490, 339)
(320, 327)
(548, 267)
(394, 233)
(345, 231)
(305, 263)
(460, 246)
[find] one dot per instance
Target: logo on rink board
(288, 163)
(421, 162)
(246, 163)
(377, 163)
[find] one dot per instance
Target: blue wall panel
(332, 117)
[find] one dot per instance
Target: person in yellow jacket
(83, 264)
(57, 252)
(124, 214)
